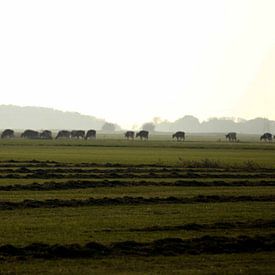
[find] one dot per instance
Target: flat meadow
(110, 205)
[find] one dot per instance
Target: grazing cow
(179, 136)
(91, 134)
(130, 134)
(63, 134)
(8, 133)
(142, 134)
(46, 134)
(266, 137)
(30, 134)
(232, 136)
(78, 134)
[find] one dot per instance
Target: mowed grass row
(135, 191)
(245, 263)
(7, 184)
(118, 180)
(107, 224)
(133, 222)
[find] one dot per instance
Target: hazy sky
(129, 61)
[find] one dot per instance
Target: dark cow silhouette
(130, 134)
(142, 134)
(8, 133)
(30, 134)
(266, 137)
(46, 134)
(179, 135)
(91, 134)
(78, 134)
(232, 136)
(63, 134)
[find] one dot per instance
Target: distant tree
(157, 120)
(149, 126)
(109, 126)
(187, 123)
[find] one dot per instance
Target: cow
(78, 134)
(63, 134)
(179, 136)
(130, 134)
(46, 134)
(8, 133)
(232, 136)
(142, 134)
(30, 134)
(266, 137)
(91, 134)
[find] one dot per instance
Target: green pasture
(112, 223)
(136, 152)
(136, 191)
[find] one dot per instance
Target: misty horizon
(20, 117)
(156, 119)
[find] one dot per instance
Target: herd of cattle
(79, 134)
(232, 136)
(91, 134)
(46, 134)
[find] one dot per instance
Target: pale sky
(129, 61)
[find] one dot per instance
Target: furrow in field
(43, 174)
(132, 191)
(53, 203)
(256, 224)
(167, 247)
(85, 184)
(203, 164)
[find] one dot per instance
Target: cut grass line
(54, 203)
(167, 247)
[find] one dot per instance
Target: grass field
(109, 206)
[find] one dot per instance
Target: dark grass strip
(182, 164)
(257, 224)
(84, 184)
(44, 174)
(53, 203)
(161, 247)
(37, 163)
(130, 169)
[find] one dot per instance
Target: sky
(130, 61)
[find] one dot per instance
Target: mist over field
(46, 118)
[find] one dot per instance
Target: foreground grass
(256, 263)
(112, 223)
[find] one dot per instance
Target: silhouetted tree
(149, 126)
(109, 126)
